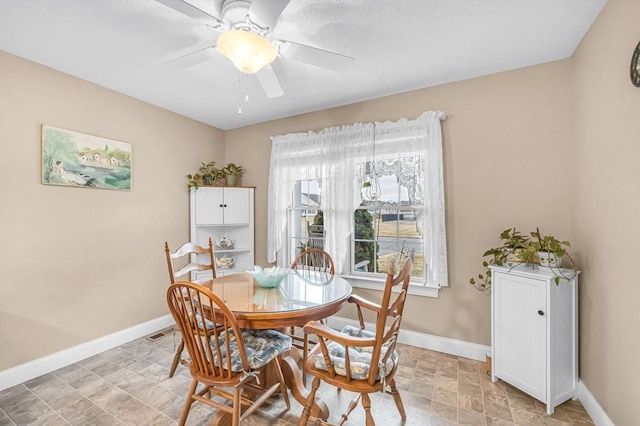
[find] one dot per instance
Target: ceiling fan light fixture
(248, 51)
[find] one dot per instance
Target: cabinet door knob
(221, 205)
(540, 313)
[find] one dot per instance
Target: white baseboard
(426, 341)
(594, 409)
(49, 363)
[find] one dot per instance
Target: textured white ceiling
(398, 45)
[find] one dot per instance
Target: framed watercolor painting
(75, 159)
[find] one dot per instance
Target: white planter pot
(549, 260)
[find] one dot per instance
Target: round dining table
(302, 296)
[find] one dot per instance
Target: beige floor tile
(470, 403)
(498, 411)
(470, 417)
(470, 389)
(469, 377)
(522, 402)
(491, 421)
(444, 411)
(523, 417)
(444, 395)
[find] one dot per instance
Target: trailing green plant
(517, 248)
(553, 246)
(208, 175)
(512, 242)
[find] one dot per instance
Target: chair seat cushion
(359, 357)
(261, 346)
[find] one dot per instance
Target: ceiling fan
(245, 27)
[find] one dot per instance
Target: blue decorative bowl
(269, 277)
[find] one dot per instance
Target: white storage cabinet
(218, 212)
(534, 332)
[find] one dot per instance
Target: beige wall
(507, 149)
(77, 264)
(606, 213)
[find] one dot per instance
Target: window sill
(378, 284)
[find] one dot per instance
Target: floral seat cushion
(261, 346)
(360, 358)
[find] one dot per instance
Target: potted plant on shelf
(549, 252)
(231, 172)
(508, 253)
(208, 175)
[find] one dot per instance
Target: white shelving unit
(534, 332)
(219, 212)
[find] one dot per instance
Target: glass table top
(299, 290)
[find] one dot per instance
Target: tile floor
(128, 385)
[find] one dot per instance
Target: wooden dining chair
(313, 259)
(186, 251)
(359, 360)
(224, 358)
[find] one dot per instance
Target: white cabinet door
(520, 327)
(223, 206)
(236, 206)
(209, 206)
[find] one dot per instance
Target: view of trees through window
(383, 229)
(390, 231)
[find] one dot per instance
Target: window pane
(364, 229)
(306, 222)
(365, 256)
(386, 228)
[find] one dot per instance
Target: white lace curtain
(333, 155)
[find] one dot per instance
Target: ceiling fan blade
(194, 13)
(314, 56)
(269, 82)
(192, 58)
(266, 13)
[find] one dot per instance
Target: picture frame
(75, 159)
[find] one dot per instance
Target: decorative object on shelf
(208, 175)
(506, 254)
(231, 173)
(549, 252)
(224, 243)
(226, 262)
(269, 277)
(83, 161)
(634, 72)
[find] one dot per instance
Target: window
(318, 197)
(305, 221)
(385, 229)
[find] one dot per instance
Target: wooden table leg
(293, 379)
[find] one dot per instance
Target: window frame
(373, 281)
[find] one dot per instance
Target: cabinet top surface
(533, 270)
(222, 186)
